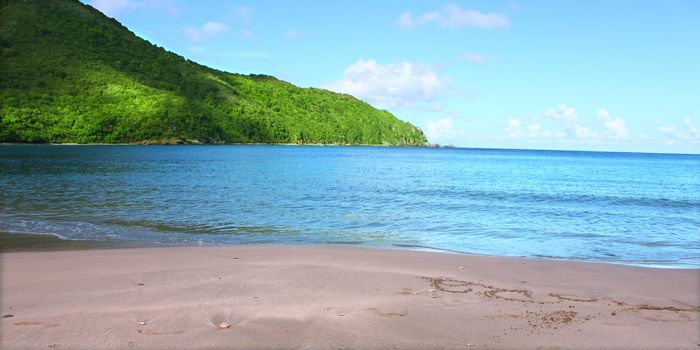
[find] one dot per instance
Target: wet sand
(21, 242)
(328, 297)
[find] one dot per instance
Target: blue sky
(580, 75)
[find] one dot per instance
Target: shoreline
(215, 144)
(334, 297)
(38, 242)
(429, 146)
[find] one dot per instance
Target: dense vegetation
(70, 74)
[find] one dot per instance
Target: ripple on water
(628, 208)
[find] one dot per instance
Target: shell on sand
(224, 325)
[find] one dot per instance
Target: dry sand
(325, 297)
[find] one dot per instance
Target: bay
(631, 208)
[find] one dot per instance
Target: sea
(624, 208)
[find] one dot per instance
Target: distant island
(72, 75)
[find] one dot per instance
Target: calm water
(627, 208)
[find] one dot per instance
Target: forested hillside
(70, 74)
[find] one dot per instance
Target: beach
(336, 297)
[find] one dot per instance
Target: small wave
(649, 260)
(40, 234)
(197, 229)
(539, 198)
(429, 249)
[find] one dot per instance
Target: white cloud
(389, 86)
(688, 132)
(603, 114)
(476, 58)
(439, 128)
(692, 131)
(668, 129)
(513, 129)
(208, 30)
(530, 129)
(582, 132)
(613, 129)
(405, 21)
(616, 127)
(116, 7)
(293, 34)
(534, 128)
(563, 113)
(244, 13)
(453, 16)
(442, 130)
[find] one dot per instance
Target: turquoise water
(616, 207)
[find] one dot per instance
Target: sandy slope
(337, 297)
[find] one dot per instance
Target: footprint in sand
(522, 295)
(33, 323)
(665, 308)
(571, 297)
(385, 314)
(451, 285)
(228, 257)
(155, 332)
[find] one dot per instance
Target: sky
(572, 75)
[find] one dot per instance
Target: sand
(328, 297)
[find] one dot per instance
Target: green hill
(70, 74)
